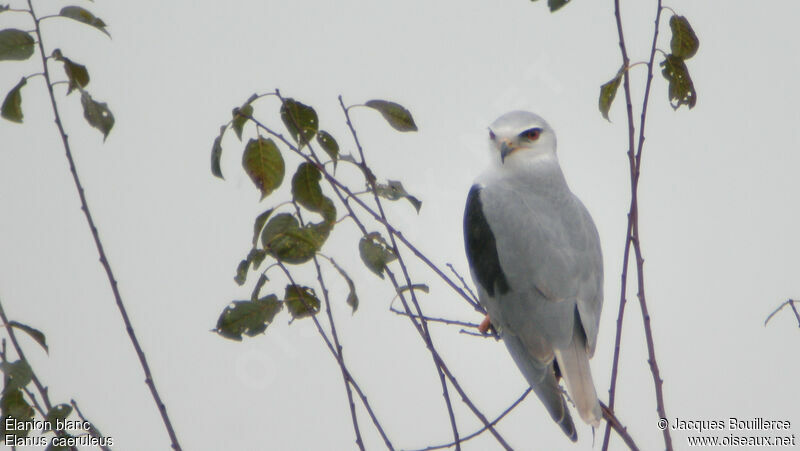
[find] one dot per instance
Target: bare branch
(451, 322)
(483, 429)
(342, 366)
(791, 303)
(464, 284)
(613, 422)
(339, 353)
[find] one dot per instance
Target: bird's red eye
(532, 134)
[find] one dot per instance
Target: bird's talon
(485, 325)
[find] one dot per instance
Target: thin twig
(100, 250)
(791, 303)
(464, 284)
(436, 320)
(404, 269)
(622, 431)
(339, 353)
(632, 230)
(355, 385)
(636, 241)
(484, 428)
(626, 254)
(34, 378)
(331, 348)
(38, 407)
(92, 429)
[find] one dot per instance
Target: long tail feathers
(573, 361)
(542, 379)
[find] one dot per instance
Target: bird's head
(521, 135)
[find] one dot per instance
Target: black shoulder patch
(481, 247)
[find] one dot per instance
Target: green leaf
(16, 45)
(276, 227)
(264, 164)
(681, 88)
(307, 192)
(284, 239)
(97, 114)
(84, 16)
(248, 317)
(256, 256)
(58, 413)
(18, 374)
(241, 272)
(607, 93)
(241, 116)
(262, 279)
(13, 405)
(395, 114)
(76, 73)
(36, 334)
(305, 187)
(394, 190)
(684, 43)
(555, 5)
(352, 297)
(12, 105)
(216, 154)
(329, 145)
(259, 224)
(301, 121)
(254, 259)
(301, 301)
(375, 253)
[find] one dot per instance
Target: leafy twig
(340, 188)
(424, 326)
(632, 230)
(338, 347)
(100, 250)
(34, 378)
(341, 191)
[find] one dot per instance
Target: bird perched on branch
(534, 254)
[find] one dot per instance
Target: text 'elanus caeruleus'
(534, 254)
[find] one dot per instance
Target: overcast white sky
(719, 216)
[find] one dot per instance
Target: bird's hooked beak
(506, 147)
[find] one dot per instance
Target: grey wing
(550, 254)
(590, 294)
